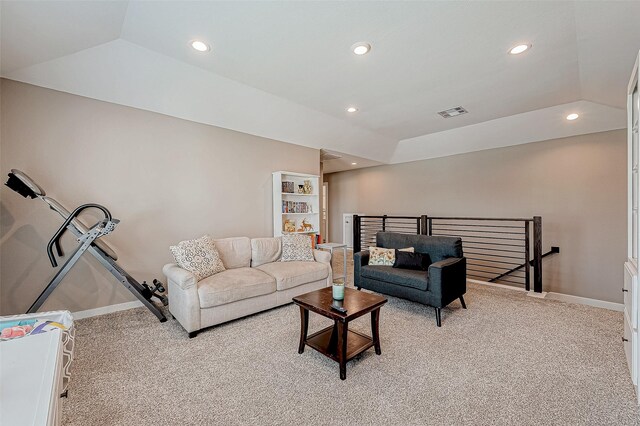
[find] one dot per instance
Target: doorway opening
(325, 212)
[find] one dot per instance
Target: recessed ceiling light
(573, 116)
(354, 164)
(519, 49)
(200, 46)
(352, 109)
(361, 48)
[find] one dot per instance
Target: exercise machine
(90, 240)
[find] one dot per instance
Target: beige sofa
(254, 280)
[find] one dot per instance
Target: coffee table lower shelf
(323, 342)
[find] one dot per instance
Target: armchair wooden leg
(462, 302)
(438, 317)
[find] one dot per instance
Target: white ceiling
(345, 162)
(532, 126)
(284, 70)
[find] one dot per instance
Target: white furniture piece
(254, 280)
(295, 206)
(347, 228)
(331, 247)
(31, 378)
(630, 286)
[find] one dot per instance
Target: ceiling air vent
(452, 112)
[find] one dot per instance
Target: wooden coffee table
(337, 341)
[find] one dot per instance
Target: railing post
(430, 227)
(527, 256)
(537, 254)
(384, 223)
(357, 243)
(423, 225)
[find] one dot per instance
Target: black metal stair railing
(500, 250)
(366, 227)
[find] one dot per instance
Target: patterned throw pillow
(296, 247)
(200, 257)
(384, 256)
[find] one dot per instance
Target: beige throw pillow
(200, 257)
(384, 256)
(296, 247)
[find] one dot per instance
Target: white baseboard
(568, 298)
(502, 286)
(586, 301)
(106, 310)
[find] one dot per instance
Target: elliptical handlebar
(55, 240)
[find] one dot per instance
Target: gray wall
(165, 178)
(578, 185)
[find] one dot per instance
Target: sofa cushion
(233, 285)
(415, 261)
(384, 256)
(234, 252)
(401, 277)
(295, 273)
(265, 250)
(296, 247)
(200, 257)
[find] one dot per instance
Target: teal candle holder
(338, 290)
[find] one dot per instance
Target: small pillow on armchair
(384, 256)
(414, 261)
(296, 247)
(200, 257)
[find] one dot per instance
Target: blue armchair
(444, 282)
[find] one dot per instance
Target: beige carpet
(507, 360)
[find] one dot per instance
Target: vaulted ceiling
(285, 70)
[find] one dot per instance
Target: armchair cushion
(439, 248)
(401, 277)
(384, 256)
(414, 261)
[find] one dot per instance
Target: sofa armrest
(447, 263)
(183, 278)
(184, 303)
(360, 259)
(322, 256)
(448, 279)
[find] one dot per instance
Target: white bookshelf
(294, 206)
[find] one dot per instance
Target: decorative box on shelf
(296, 203)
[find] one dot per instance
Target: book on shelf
(296, 207)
